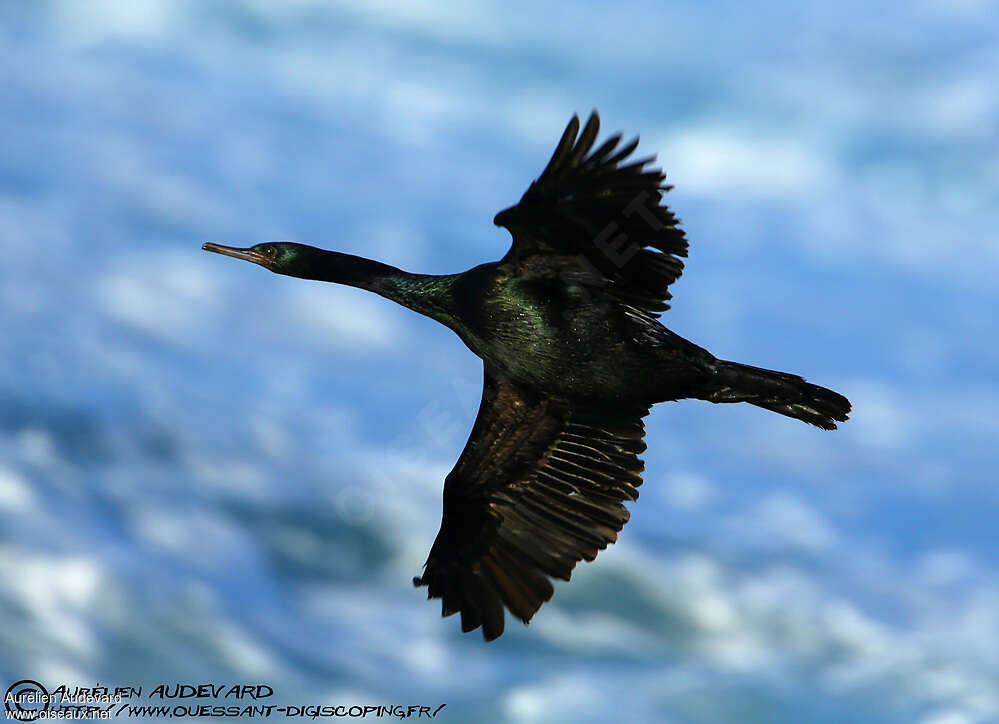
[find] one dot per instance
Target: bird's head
(281, 257)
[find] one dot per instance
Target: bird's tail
(778, 391)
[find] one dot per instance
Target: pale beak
(247, 254)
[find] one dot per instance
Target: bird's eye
(270, 250)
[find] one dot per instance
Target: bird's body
(567, 325)
(552, 335)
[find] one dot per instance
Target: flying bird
(574, 355)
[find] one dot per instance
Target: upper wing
(538, 487)
(586, 203)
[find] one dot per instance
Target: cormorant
(567, 325)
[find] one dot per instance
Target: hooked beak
(236, 253)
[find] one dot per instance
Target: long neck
(424, 293)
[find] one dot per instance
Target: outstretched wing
(602, 207)
(539, 487)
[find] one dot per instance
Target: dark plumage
(574, 356)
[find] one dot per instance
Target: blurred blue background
(211, 473)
